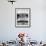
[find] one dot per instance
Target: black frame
(29, 19)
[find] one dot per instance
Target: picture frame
(22, 17)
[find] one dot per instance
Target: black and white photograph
(22, 17)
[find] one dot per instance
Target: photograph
(22, 16)
(22, 22)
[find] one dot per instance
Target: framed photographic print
(22, 17)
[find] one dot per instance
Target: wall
(37, 31)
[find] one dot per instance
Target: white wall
(37, 30)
